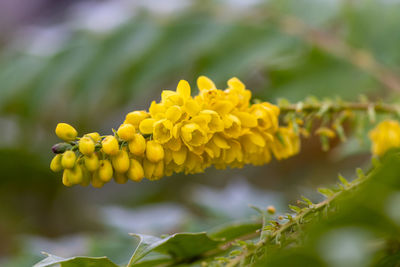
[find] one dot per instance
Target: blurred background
(88, 63)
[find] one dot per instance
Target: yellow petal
(204, 83)
(183, 89)
(146, 126)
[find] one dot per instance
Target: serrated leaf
(309, 202)
(326, 192)
(180, 246)
(343, 180)
(53, 260)
(360, 173)
(295, 208)
(234, 230)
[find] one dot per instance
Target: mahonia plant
(220, 128)
(180, 134)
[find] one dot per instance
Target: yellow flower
(68, 159)
(286, 143)
(213, 121)
(126, 132)
(105, 171)
(86, 145)
(137, 145)
(162, 131)
(91, 162)
(384, 136)
(135, 171)
(74, 175)
(154, 151)
(233, 126)
(193, 135)
(120, 161)
(146, 126)
(266, 115)
(204, 84)
(174, 113)
(179, 156)
(183, 89)
(135, 117)
(110, 145)
(157, 110)
(66, 132)
(95, 136)
(55, 164)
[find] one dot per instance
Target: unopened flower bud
(126, 132)
(137, 145)
(120, 162)
(68, 159)
(92, 162)
(154, 151)
(110, 145)
(66, 132)
(55, 164)
(105, 171)
(95, 136)
(74, 175)
(135, 172)
(86, 145)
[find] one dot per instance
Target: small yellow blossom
(92, 162)
(110, 145)
(74, 175)
(136, 117)
(126, 132)
(105, 171)
(120, 161)
(162, 131)
(66, 132)
(68, 159)
(384, 136)
(135, 171)
(86, 145)
(154, 151)
(55, 164)
(137, 145)
(95, 136)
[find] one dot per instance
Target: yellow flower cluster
(179, 134)
(384, 136)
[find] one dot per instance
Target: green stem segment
(340, 106)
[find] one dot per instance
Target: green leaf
(326, 192)
(235, 230)
(343, 180)
(181, 246)
(309, 202)
(295, 208)
(78, 261)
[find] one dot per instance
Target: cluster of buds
(180, 133)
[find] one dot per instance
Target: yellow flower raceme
(384, 136)
(180, 134)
